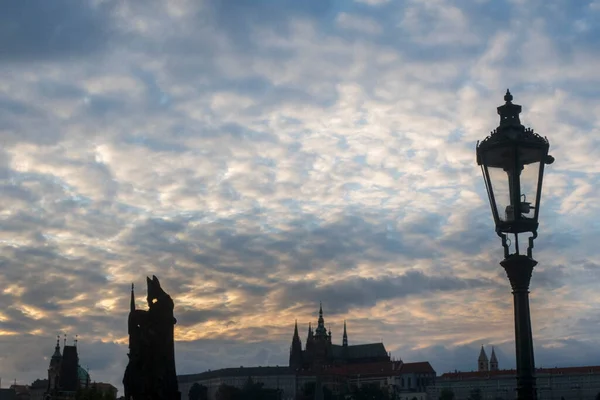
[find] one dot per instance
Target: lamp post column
(519, 269)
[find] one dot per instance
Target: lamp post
(512, 160)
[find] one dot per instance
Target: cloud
(352, 22)
(373, 2)
(262, 158)
(37, 30)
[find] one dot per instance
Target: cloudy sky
(260, 156)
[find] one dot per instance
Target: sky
(262, 156)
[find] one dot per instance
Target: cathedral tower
(482, 361)
(345, 337)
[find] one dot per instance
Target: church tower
(345, 337)
(296, 350)
(54, 368)
(493, 361)
(482, 361)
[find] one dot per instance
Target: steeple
(295, 361)
(345, 337)
(493, 361)
(482, 361)
(55, 364)
(296, 330)
(132, 302)
(321, 331)
(57, 354)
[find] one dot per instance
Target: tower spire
(345, 337)
(132, 302)
(296, 349)
(321, 330)
(493, 361)
(483, 364)
(57, 348)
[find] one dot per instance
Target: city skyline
(262, 159)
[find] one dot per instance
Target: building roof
(357, 351)
(39, 384)
(82, 374)
(235, 372)
(482, 355)
(104, 387)
(19, 389)
(475, 375)
(422, 367)
(363, 369)
(493, 358)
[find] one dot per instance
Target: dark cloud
(359, 292)
(33, 30)
(281, 207)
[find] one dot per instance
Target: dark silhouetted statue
(150, 374)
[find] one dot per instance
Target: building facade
(339, 368)
(280, 378)
(570, 383)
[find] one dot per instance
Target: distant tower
(482, 361)
(321, 332)
(345, 337)
(493, 361)
(54, 368)
(296, 350)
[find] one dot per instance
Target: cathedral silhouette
(320, 351)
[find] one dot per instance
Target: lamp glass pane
(500, 185)
(529, 180)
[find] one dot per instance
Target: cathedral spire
(345, 337)
(296, 330)
(321, 330)
(296, 349)
(132, 302)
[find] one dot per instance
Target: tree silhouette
(446, 394)
(370, 392)
(228, 392)
(198, 392)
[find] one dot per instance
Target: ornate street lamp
(512, 160)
